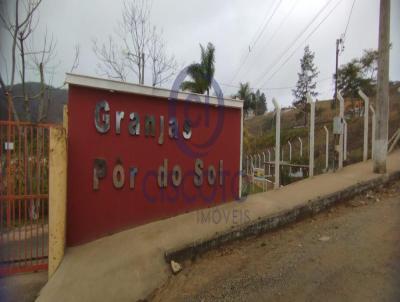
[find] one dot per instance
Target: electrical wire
(274, 34)
(291, 55)
(290, 45)
(348, 21)
(255, 42)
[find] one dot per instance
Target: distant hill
(58, 98)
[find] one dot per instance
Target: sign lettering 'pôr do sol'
(102, 122)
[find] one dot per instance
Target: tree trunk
(24, 92)
(43, 100)
(305, 114)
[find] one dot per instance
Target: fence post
(277, 141)
(290, 157)
(326, 148)
(301, 146)
(301, 151)
(264, 158)
(373, 132)
(269, 162)
(366, 115)
(345, 140)
(57, 197)
(341, 102)
(312, 130)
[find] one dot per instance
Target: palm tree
(244, 93)
(201, 73)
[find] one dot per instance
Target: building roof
(112, 85)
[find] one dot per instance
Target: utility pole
(335, 99)
(338, 42)
(382, 104)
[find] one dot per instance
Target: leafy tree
(359, 73)
(244, 93)
(351, 78)
(201, 73)
(369, 64)
(306, 82)
(258, 102)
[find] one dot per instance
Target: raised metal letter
(102, 123)
(134, 124)
(119, 115)
(173, 128)
(149, 126)
(187, 130)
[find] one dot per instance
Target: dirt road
(350, 253)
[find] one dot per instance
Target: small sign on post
(337, 125)
(9, 146)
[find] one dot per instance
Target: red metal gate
(24, 155)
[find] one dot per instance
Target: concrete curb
(275, 221)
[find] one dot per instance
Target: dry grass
(259, 134)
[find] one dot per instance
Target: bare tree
(40, 60)
(43, 63)
(141, 45)
(136, 29)
(18, 23)
(113, 64)
(163, 66)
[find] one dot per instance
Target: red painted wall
(92, 214)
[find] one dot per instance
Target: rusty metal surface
(23, 196)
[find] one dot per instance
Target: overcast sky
(233, 27)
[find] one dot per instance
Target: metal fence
(24, 199)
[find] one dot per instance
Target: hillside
(58, 98)
(259, 132)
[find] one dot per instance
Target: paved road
(350, 253)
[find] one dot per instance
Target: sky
(258, 41)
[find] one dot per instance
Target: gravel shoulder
(349, 253)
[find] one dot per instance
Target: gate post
(57, 197)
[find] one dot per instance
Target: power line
(267, 23)
(291, 55)
(272, 88)
(276, 31)
(348, 20)
(267, 71)
(256, 40)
